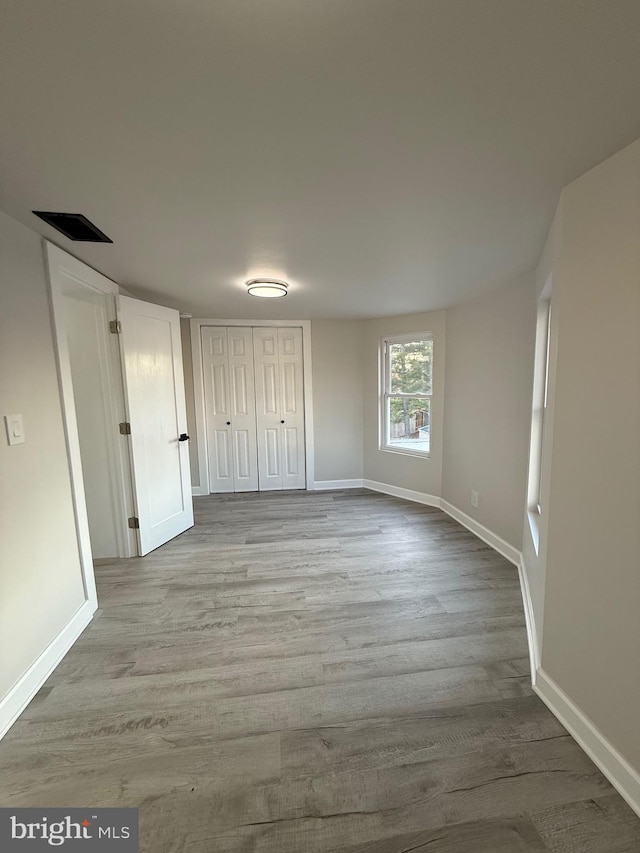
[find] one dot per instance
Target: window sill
(416, 454)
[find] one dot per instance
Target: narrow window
(545, 398)
(540, 415)
(407, 387)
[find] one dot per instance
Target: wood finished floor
(309, 672)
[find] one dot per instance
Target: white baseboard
(197, 491)
(514, 556)
(327, 485)
(530, 620)
(17, 699)
(492, 539)
(497, 543)
(407, 494)
(624, 778)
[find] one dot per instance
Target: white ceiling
(384, 156)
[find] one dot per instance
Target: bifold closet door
(229, 393)
(279, 408)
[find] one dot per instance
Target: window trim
(546, 345)
(385, 394)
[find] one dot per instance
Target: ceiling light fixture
(267, 288)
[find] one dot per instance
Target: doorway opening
(122, 390)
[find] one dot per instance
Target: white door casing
(279, 408)
(227, 360)
(154, 394)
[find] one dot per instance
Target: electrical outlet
(475, 498)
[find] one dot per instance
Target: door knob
(183, 437)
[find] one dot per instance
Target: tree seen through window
(409, 366)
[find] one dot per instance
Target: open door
(154, 392)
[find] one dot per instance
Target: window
(405, 399)
(540, 426)
(546, 336)
(540, 399)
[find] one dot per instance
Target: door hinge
(125, 428)
(134, 523)
(115, 327)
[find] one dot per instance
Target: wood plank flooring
(311, 672)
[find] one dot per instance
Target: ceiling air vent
(75, 226)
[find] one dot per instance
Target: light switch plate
(15, 429)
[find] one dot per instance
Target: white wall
(384, 466)
(489, 364)
(337, 398)
(591, 641)
(40, 576)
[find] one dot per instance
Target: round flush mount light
(267, 288)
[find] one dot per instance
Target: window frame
(385, 395)
(539, 442)
(540, 401)
(546, 345)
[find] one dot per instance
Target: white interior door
(279, 408)
(229, 393)
(154, 390)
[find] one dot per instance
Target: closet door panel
(265, 343)
(222, 454)
(244, 451)
(272, 455)
(268, 403)
(217, 401)
(243, 409)
(291, 453)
